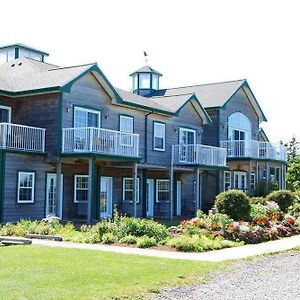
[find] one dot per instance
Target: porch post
(200, 189)
(284, 177)
(197, 200)
(249, 176)
(58, 189)
(91, 190)
(134, 189)
(171, 190)
(267, 175)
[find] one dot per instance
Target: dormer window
(15, 51)
(29, 54)
(155, 80)
(7, 55)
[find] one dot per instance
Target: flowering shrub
(283, 198)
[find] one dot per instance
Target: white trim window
(81, 188)
(162, 190)
(227, 180)
(5, 114)
(84, 117)
(159, 136)
(126, 125)
(128, 189)
(7, 55)
(26, 185)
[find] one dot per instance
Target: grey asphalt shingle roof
(25, 74)
(210, 95)
(146, 69)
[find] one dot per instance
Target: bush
(283, 198)
(128, 239)
(146, 242)
(234, 203)
(108, 238)
(258, 200)
(199, 243)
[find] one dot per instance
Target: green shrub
(199, 243)
(108, 238)
(146, 242)
(283, 198)
(234, 203)
(294, 210)
(128, 239)
(258, 200)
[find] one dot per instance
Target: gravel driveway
(272, 277)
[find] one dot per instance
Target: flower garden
(238, 220)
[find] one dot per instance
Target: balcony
(100, 141)
(255, 149)
(22, 138)
(199, 155)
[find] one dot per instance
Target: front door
(239, 142)
(240, 180)
(150, 198)
(51, 203)
(187, 137)
(178, 198)
(106, 188)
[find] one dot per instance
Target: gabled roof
(263, 135)
(146, 69)
(166, 105)
(215, 94)
(26, 74)
(19, 45)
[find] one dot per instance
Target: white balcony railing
(23, 138)
(255, 149)
(199, 155)
(99, 140)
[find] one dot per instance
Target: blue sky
(190, 42)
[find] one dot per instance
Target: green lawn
(32, 272)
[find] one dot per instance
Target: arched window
(239, 127)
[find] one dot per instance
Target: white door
(240, 180)
(150, 198)
(106, 188)
(51, 203)
(187, 139)
(178, 198)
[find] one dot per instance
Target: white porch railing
(199, 155)
(21, 137)
(99, 140)
(255, 149)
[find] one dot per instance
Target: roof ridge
(69, 67)
(211, 83)
(173, 95)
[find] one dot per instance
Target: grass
(33, 272)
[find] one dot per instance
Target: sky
(189, 42)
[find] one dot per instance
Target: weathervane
(146, 57)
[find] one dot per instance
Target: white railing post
(90, 134)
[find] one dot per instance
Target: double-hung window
(26, 184)
(126, 126)
(81, 188)
(128, 189)
(159, 136)
(162, 190)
